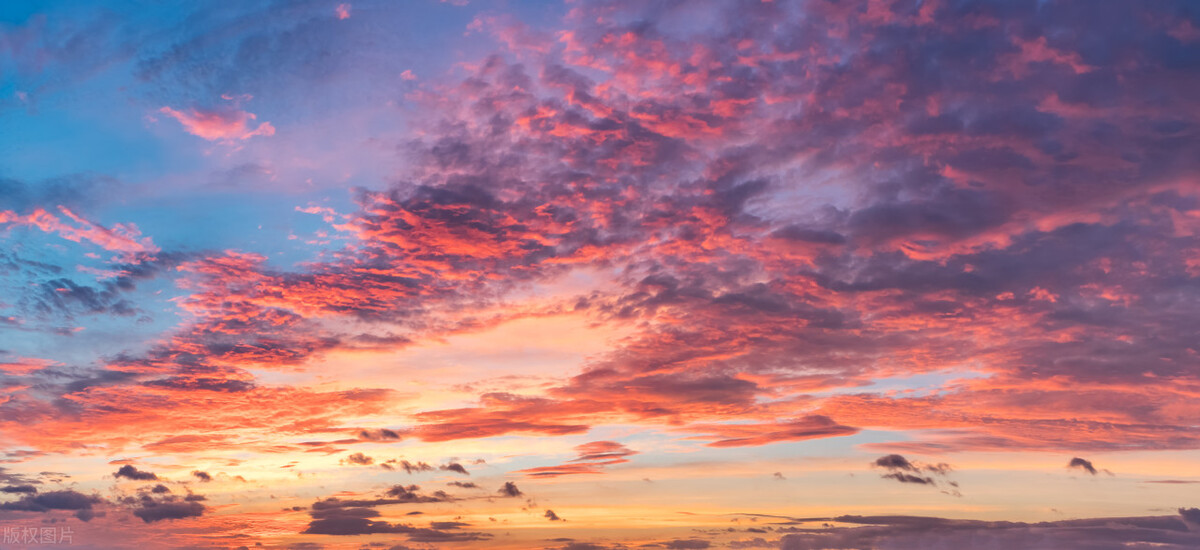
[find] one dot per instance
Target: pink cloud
(123, 238)
(220, 125)
(343, 11)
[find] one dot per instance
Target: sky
(597, 275)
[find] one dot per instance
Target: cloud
(203, 476)
(333, 516)
(905, 471)
(810, 427)
(783, 204)
(550, 515)
(1085, 465)
(409, 494)
(409, 467)
(592, 459)
(170, 507)
(128, 471)
(351, 521)
(225, 124)
(28, 489)
(123, 238)
(359, 459)
(382, 434)
(909, 531)
(65, 499)
(895, 462)
(454, 467)
(510, 490)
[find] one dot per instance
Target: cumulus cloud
(128, 471)
(509, 489)
(454, 467)
(168, 508)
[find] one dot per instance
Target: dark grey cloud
(903, 470)
(151, 511)
(18, 489)
(128, 471)
(65, 499)
(510, 490)
(454, 467)
(1082, 464)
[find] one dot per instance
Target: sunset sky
(599, 274)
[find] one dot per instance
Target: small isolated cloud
(550, 515)
(343, 11)
(904, 470)
(454, 467)
(510, 490)
(219, 124)
(1082, 464)
(382, 434)
(360, 459)
(204, 477)
(408, 75)
(129, 472)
